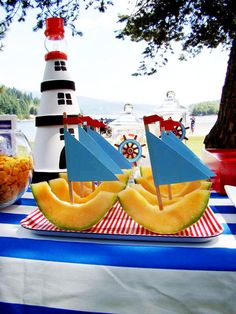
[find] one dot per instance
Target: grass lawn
(195, 143)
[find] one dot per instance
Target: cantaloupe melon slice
(148, 185)
(87, 187)
(177, 189)
(72, 216)
(151, 198)
(146, 171)
(60, 188)
(124, 177)
(181, 189)
(81, 188)
(64, 176)
(172, 219)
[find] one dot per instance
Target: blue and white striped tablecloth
(43, 274)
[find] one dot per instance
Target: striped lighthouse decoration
(58, 96)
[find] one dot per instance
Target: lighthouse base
(44, 176)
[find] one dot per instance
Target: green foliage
(192, 24)
(13, 101)
(33, 111)
(205, 108)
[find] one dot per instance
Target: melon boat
(60, 188)
(146, 183)
(181, 189)
(151, 198)
(146, 172)
(72, 216)
(63, 175)
(172, 219)
(124, 177)
(178, 189)
(84, 188)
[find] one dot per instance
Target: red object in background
(167, 125)
(223, 163)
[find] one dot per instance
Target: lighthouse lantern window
(60, 66)
(64, 99)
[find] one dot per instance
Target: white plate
(231, 192)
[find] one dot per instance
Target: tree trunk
(223, 133)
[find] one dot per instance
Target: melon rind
(172, 219)
(72, 216)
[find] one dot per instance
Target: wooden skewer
(169, 186)
(81, 192)
(158, 193)
(71, 194)
(86, 126)
(169, 192)
(159, 199)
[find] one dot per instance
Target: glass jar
(128, 136)
(16, 166)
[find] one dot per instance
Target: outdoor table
(50, 274)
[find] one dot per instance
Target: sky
(101, 65)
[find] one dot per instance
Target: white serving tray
(117, 225)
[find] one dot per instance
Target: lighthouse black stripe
(51, 120)
(57, 84)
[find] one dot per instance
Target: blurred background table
(48, 274)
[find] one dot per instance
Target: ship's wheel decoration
(131, 149)
(180, 130)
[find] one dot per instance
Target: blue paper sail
(171, 140)
(168, 166)
(98, 151)
(110, 150)
(82, 164)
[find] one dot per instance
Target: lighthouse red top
(54, 28)
(55, 34)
